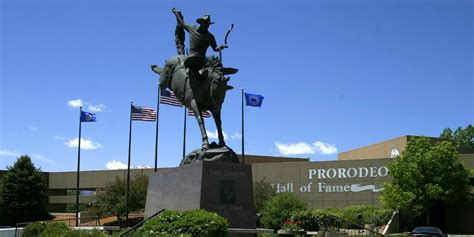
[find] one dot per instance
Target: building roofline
(395, 138)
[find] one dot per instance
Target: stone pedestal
(221, 187)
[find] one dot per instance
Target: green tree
(424, 175)
(23, 193)
(463, 139)
(263, 191)
(111, 199)
(278, 208)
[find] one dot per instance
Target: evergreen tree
(463, 139)
(23, 193)
(447, 134)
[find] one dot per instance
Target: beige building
(385, 149)
(62, 185)
(356, 178)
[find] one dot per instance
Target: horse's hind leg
(218, 121)
(200, 120)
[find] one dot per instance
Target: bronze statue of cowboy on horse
(199, 82)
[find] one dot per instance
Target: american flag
(168, 97)
(205, 114)
(140, 113)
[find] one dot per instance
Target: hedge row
(287, 211)
(354, 217)
(41, 229)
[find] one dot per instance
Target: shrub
(33, 229)
(163, 223)
(202, 223)
(83, 233)
(55, 229)
(313, 219)
(362, 215)
(193, 223)
(355, 214)
(279, 207)
(379, 217)
(131, 221)
(305, 220)
(332, 218)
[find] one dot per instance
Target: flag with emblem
(140, 113)
(205, 114)
(87, 117)
(83, 117)
(253, 100)
(168, 97)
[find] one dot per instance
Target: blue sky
(336, 75)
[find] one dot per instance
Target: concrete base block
(221, 187)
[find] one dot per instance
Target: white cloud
(32, 128)
(213, 135)
(5, 152)
(91, 108)
(96, 108)
(294, 149)
(325, 148)
(115, 165)
(86, 144)
(75, 103)
(34, 156)
(305, 148)
(59, 138)
(236, 135)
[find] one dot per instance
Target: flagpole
(184, 131)
(78, 168)
(128, 168)
(243, 128)
(157, 120)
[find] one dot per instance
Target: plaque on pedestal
(221, 187)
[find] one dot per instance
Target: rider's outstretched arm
(179, 18)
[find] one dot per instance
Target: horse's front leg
(200, 120)
(217, 119)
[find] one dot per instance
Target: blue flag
(253, 100)
(87, 117)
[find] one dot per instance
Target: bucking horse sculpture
(199, 93)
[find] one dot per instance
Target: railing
(135, 227)
(70, 222)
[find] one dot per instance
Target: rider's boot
(195, 74)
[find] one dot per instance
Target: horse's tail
(156, 69)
